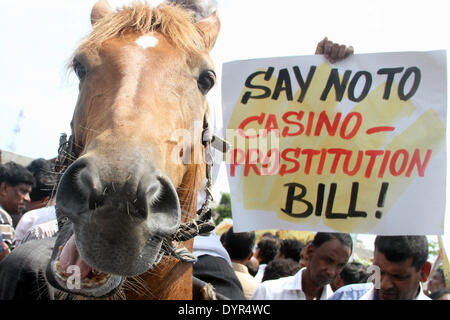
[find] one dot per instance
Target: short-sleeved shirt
(287, 288)
(351, 291)
(6, 228)
(260, 274)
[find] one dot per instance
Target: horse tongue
(70, 257)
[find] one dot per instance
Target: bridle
(201, 225)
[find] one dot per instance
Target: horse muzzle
(120, 215)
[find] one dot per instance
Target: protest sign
(358, 146)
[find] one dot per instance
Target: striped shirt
(6, 228)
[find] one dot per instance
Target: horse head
(143, 75)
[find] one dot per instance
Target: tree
(223, 210)
(433, 249)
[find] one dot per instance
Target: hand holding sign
(333, 51)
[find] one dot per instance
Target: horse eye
(79, 69)
(206, 81)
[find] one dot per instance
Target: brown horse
(144, 74)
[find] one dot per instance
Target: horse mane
(174, 22)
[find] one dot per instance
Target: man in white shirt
(403, 265)
(33, 218)
(41, 208)
(326, 256)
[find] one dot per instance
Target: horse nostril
(96, 201)
(157, 201)
(165, 197)
(147, 193)
(79, 188)
(90, 186)
(153, 192)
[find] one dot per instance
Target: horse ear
(206, 18)
(100, 9)
(201, 8)
(209, 28)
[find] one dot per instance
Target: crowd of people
(236, 264)
(321, 270)
(27, 208)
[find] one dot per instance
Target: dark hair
(354, 272)
(280, 268)
(222, 237)
(401, 248)
(291, 248)
(268, 248)
(239, 245)
(322, 237)
(44, 173)
(439, 293)
(13, 174)
(269, 234)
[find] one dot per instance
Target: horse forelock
(176, 24)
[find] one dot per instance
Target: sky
(39, 37)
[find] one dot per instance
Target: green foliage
(223, 210)
(433, 250)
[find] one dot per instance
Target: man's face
(15, 197)
(437, 282)
(399, 280)
(326, 262)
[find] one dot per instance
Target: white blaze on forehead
(147, 41)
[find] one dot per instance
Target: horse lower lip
(91, 281)
(72, 265)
